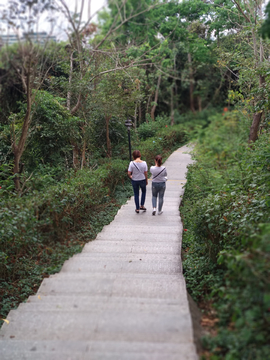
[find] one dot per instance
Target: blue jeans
(158, 190)
(136, 188)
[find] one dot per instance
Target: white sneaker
(160, 212)
(154, 211)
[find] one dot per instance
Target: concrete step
(171, 202)
(102, 303)
(126, 236)
(84, 301)
(148, 219)
(115, 265)
(123, 256)
(163, 220)
(154, 247)
(171, 194)
(94, 350)
(158, 286)
(110, 325)
(143, 229)
(170, 215)
(168, 203)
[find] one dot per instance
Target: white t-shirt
(159, 173)
(137, 169)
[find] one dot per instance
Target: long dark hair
(158, 159)
(136, 154)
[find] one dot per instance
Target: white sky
(95, 5)
(61, 24)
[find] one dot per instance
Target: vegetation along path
(123, 297)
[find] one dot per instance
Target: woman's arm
(146, 177)
(130, 174)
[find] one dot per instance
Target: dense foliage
(226, 213)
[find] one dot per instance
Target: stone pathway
(123, 298)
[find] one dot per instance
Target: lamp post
(129, 124)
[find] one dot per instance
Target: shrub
(150, 128)
(167, 138)
(226, 211)
(35, 228)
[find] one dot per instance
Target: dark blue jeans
(158, 190)
(136, 188)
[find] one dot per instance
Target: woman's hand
(146, 177)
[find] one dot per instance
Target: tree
(251, 18)
(246, 28)
(86, 51)
(265, 30)
(26, 62)
(115, 95)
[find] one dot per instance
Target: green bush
(226, 213)
(167, 138)
(35, 227)
(150, 128)
(53, 130)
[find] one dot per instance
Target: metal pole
(129, 144)
(128, 124)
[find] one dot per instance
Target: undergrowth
(226, 212)
(42, 230)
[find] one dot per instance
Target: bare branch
(81, 12)
(76, 107)
(118, 69)
(167, 74)
(68, 14)
(231, 71)
(112, 28)
(250, 11)
(24, 184)
(241, 11)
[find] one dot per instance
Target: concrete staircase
(123, 298)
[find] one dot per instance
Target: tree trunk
(191, 85)
(16, 170)
(83, 155)
(172, 107)
(69, 80)
(75, 151)
(19, 148)
(147, 106)
(140, 113)
(83, 148)
(200, 103)
(135, 115)
(255, 47)
(156, 99)
(255, 127)
(108, 140)
(253, 133)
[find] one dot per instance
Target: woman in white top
(159, 178)
(137, 171)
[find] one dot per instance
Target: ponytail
(158, 159)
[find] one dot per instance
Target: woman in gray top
(159, 178)
(137, 171)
